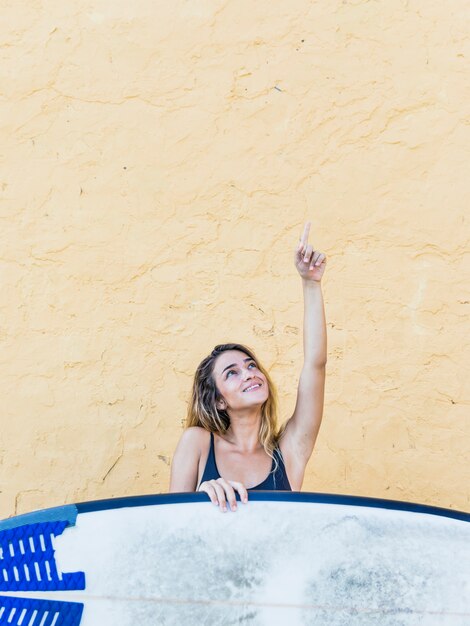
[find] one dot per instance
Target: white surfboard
(283, 558)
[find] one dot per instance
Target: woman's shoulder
(194, 442)
(187, 459)
(196, 435)
(196, 431)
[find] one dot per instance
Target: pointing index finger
(304, 239)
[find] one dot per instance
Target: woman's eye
(254, 364)
(230, 372)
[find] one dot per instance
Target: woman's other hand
(310, 263)
(220, 491)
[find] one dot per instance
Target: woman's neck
(243, 432)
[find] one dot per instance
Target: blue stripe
(273, 496)
(58, 513)
(12, 610)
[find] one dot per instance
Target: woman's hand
(310, 263)
(221, 490)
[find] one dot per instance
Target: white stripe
(33, 618)
(22, 616)
(38, 573)
(56, 617)
(44, 617)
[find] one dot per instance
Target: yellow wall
(158, 161)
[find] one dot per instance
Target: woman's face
(239, 381)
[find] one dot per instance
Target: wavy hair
(203, 411)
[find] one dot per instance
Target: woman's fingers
(309, 262)
(222, 491)
(215, 492)
(240, 487)
(314, 260)
(307, 254)
(304, 238)
(229, 494)
(305, 234)
(219, 494)
(320, 259)
(206, 487)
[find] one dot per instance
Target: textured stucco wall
(158, 160)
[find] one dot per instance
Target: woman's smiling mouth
(252, 387)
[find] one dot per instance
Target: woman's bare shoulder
(195, 436)
(196, 432)
(186, 459)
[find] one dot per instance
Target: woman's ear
(221, 404)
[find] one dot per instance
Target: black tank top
(276, 481)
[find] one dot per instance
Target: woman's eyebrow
(234, 364)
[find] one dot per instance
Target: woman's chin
(257, 400)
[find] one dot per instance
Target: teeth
(252, 387)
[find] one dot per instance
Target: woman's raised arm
(302, 428)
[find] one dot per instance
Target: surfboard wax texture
(159, 161)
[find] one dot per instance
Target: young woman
(232, 412)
